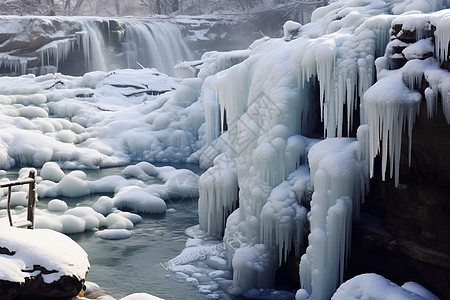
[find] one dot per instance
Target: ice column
(336, 177)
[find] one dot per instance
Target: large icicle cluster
(54, 52)
(269, 99)
(393, 102)
(388, 108)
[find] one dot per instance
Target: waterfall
(83, 44)
(154, 43)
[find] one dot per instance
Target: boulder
(40, 264)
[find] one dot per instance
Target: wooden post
(31, 199)
(9, 206)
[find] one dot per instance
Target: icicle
(283, 218)
(252, 267)
(218, 190)
(55, 52)
(389, 104)
(232, 91)
(325, 55)
(442, 38)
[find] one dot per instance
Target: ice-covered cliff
(338, 69)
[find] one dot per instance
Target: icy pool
(132, 265)
(166, 255)
(136, 264)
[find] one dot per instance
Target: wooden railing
(31, 181)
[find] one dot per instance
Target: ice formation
(265, 103)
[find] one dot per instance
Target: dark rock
(396, 61)
(35, 288)
(412, 240)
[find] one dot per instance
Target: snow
(104, 205)
(290, 27)
(419, 290)
(91, 127)
(131, 191)
(113, 234)
(140, 296)
(373, 286)
(52, 171)
(37, 247)
(419, 49)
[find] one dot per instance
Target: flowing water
(136, 264)
(122, 267)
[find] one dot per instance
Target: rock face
(40, 264)
(411, 239)
(35, 288)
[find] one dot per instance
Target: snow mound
(46, 248)
(376, 287)
(140, 296)
(57, 205)
(114, 234)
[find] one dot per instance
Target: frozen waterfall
(81, 44)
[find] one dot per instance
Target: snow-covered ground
(259, 160)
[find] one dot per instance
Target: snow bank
(141, 188)
(98, 120)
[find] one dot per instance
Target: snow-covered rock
(40, 262)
